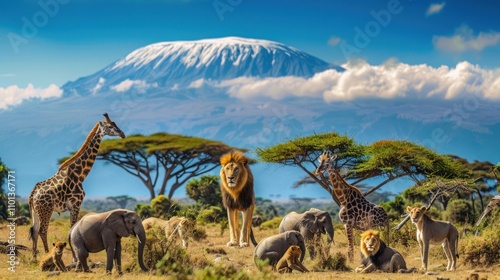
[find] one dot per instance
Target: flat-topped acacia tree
(385, 160)
(163, 161)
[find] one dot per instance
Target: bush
(274, 223)
(198, 233)
(164, 208)
(213, 214)
(482, 250)
(143, 210)
(458, 212)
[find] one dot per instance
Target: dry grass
(214, 246)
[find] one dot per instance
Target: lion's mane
(242, 196)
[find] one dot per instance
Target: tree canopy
(386, 160)
(163, 162)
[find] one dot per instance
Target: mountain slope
(182, 62)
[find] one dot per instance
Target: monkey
(291, 261)
(53, 258)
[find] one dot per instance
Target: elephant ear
(116, 222)
(310, 223)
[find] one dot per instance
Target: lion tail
(252, 237)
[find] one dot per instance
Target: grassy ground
(240, 257)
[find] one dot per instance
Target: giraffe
(64, 191)
(355, 211)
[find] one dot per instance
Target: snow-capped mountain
(180, 63)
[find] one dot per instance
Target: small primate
(291, 261)
(53, 258)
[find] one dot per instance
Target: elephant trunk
(330, 232)
(141, 240)
(303, 248)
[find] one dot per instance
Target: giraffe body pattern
(355, 211)
(64, 191)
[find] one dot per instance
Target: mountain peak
(182, 62)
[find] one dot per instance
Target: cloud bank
(140, 85)
(465, 40)
(14, 95)
(363, 81)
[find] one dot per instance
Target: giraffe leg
(44, 228)
(350, 240)
(73, 215)
(44, 219)
(33, 234)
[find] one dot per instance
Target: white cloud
(391, 80)
(140, 85)
(435, 8)
(99, 85)
(465, 40)
(14, 95)
(197, 84)
(333, 41)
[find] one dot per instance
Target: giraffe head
(325, 162)
(110, 128)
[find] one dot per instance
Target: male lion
(237, 196)
(53, 259)
(431, 231)
(378, 256)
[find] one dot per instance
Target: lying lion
(378, 256)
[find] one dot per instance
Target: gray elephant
(311, 224)
(103, 231)
(275, 246)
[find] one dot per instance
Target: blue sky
(442, 54)
(78, 37)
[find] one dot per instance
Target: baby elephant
(291, 261)
(53, 259)
(274, 247)
(103, 231)
(431, 231)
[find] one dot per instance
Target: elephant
(103, 231)
(256, 221)
(311, 224)
(275, 246)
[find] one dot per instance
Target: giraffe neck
(82, 161)
(342, 189)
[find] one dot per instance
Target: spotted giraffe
(355, 211)
(64, 191)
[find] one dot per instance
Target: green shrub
(164, 208)
(481, 250)
(198, 233)
(458, 212)
(274, 223)
(144, 210)
(213, 214)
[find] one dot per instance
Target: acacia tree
(304, 151)
(161, 161)
(385, 160)
(394, 159)
(121, 200)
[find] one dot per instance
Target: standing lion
(237, 196)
